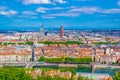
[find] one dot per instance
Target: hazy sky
(82, 14)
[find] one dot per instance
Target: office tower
(46, 33)
(61, 31)
(41, 31)
(33, 52)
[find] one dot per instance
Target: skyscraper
(61, 31)
(41, 31)
(46, 33)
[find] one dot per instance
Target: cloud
(47, 16)
(43, 9)
(110, 11)
(28, 2)
(8, 13)
(54, 15)
(87, 10)
(83, 0)
(75, 11)
(91, 10)
(29, 13)
(28, 16)
(36, 2)
(72, 7)
(61, 1)
(119, 3)
(65, 14)
(5, 11)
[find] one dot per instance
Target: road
(32, 64)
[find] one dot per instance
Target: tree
(11, 73)
(42, 59)
(108, 39)
(117, 76)
(80, 77)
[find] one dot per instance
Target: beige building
(9, 54)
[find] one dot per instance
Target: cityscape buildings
(26, 49)
(80, 40)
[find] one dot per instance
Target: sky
(72, 14)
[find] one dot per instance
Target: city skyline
(72, 14)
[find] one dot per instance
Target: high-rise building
(33, 52)
(46, 33)
(41, 31)
(61, 31)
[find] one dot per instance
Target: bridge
(30, 64)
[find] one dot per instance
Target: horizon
(72, 14)
(58, 28)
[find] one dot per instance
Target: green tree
(80, 77)
(10, 73)
(41, 59)
(29, 43)
(117, 76)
